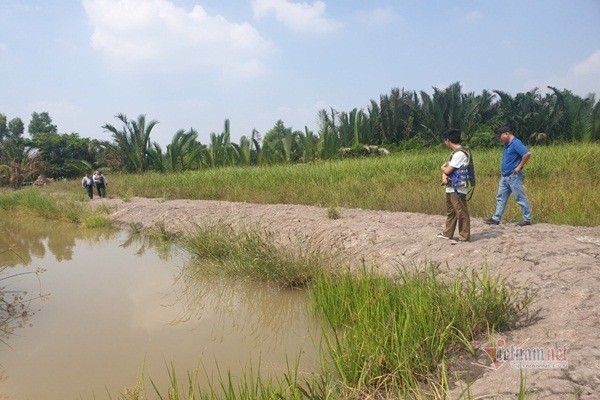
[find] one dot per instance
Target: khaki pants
(457, 211)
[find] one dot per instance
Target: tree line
(401, 119)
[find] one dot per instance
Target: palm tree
(184, 151)
(220, 151)
(132, 145)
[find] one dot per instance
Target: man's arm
(447, 168)
(523, 162)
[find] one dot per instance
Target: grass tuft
(333, 213)
(251, 253)
(96, 221)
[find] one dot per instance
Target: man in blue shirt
(515, 155)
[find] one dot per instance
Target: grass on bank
(384, 337)
(393, 335)
(562, 183)
(65, 207)
(251, 253)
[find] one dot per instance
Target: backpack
(464, 176)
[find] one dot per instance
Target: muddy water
(105, 303)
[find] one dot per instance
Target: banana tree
(23, 167)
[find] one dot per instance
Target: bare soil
(560, 265)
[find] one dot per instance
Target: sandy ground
(559, 264)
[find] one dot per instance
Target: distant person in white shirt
(455, 176)
(100, 181)
(88, 184)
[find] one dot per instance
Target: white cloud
(380, 16)
(300, 17)
(582, 78)
(156, 35)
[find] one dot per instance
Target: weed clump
(395, 334)
(253, 254)
(333, 213)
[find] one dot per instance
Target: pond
(105, 304)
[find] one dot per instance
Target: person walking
(514, 158)
(88, 184)
(455, 176)
(100, 181)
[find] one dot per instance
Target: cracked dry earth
(560, 264)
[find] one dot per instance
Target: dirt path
(561, 264)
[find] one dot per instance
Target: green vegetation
(562, 183)
(392, 334)
(63, 207)
(333, 213)
(252, 254)
(400, 120)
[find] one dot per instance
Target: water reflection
(263, 312)
(143, 243)
(260, 313)
(119, 301)
(31, 238)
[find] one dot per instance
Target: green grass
(562, 183)
(333, 213)
(62, 206)
(250, 253)
(392, 335)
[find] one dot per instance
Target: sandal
(441, 236)
(455, 241)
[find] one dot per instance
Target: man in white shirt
(453, 175)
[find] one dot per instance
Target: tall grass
(562, 183)
(251, 253)
(392, 335)
(59, 206)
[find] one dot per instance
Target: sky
(195, 63)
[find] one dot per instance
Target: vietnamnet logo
(519, 356)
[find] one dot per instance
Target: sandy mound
(560, 264)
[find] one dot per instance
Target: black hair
(453, 135)
(502, 129)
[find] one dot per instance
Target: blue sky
(194, 63)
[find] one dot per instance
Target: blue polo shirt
(512, 156)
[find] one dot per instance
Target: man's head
(504, 134)
(452, 137)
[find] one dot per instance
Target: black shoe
(523, 223)
(490, 221)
